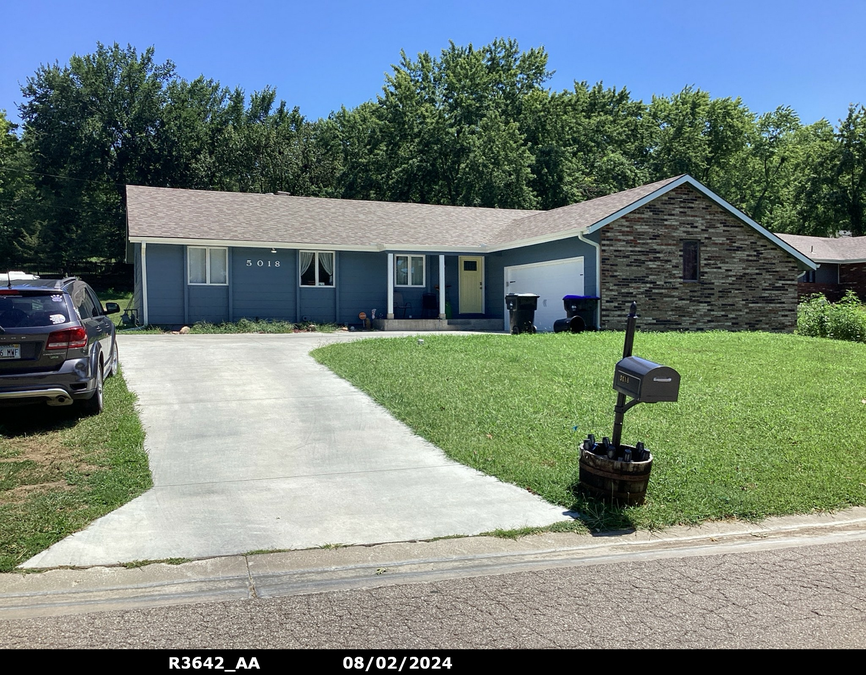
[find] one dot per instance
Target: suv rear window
(33, 310)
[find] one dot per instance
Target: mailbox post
(644, 381)
(621, 472)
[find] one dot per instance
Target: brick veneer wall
(853, 276)
(833, 292)
(746, 282)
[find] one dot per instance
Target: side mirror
(112, 308)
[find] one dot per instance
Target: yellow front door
(471, 284)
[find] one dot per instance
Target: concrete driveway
(255, 446)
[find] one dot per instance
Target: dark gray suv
(57, 343)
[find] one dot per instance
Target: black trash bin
(583, 306)
(521, 312)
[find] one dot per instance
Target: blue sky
(323, 54)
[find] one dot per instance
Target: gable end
(744, 280)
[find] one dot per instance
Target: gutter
(597, 248)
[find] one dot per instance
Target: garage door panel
(550, 281)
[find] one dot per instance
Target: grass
(137, 564)
(122, 298)
(766, 424)
(260, 326)
(59, 472)
(241, 326)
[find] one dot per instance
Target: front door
(471, 284)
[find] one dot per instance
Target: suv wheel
(115, 362)
(93, 405)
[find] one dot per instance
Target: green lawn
(59, 472)
(765, 424)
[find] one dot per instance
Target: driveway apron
(255, 446)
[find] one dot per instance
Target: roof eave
(709, 194)
(319, 246)
(839, 261)
(542, 239)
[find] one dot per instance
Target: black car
(57, 343)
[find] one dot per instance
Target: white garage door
(550, 281)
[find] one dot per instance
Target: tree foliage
(470, 126)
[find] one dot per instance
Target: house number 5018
(263, 263)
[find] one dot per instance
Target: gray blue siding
(556, 250)
(166, 283)
(362, 281)
(265, 290)
(265, 285)
(208, 303)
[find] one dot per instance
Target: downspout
(144, 283)
(597, 248)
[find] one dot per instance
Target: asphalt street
(785, 584)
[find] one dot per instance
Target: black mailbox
(645, 381)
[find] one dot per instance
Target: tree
(440, 126)
(92, 127)
(18, 228)
(703, 137)
(586, 143)
(851, 173)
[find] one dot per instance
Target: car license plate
(10, 352)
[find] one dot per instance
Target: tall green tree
(851, 174)
(586, 142)
(92, 126)
(446, 130)
(701, 136)
(810, 203)
(19, 228)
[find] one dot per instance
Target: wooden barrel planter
(614, 481)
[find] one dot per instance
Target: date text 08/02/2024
(362, 663)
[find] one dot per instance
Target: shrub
(844, 320)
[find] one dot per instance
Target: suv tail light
(68, 338)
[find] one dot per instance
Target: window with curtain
(208, 265)
(409, 270)
(317, 268)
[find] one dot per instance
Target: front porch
(481, 325)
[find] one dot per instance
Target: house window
(317, 268)
(208, 266)
(409, 270)
(691, 261)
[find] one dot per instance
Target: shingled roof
(575, 217)
(169, 215)
(829, 249)
(166, 213)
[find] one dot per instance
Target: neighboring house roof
(839, 250)
(170, 215)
